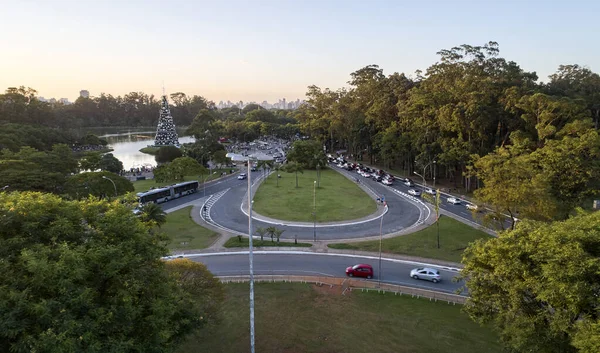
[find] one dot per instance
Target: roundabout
(227, 210)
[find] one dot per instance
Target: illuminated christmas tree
(166, 135)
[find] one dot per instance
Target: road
(333, 265)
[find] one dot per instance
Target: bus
(166, 193)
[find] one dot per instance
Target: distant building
(64, 101)
(84, 93)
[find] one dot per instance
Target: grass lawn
(150, 150)
(454, 238)
(293, 317)
(145, 185)
(185, 233)
(338, 198)
(234, 242)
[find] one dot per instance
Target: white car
(430, 191)
(387, 182)
(472, 207)
(409, 182)
(453, 200)
(242, 176)
(429, 274)
(414, 192)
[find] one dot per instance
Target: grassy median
(235, 242)
(454, 238)
(292, 317)
(338, 198)
(185, 233)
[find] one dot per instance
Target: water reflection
(126, 147)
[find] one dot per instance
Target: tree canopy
(538, 285)
(87, 276)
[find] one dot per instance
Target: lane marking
(283, 252)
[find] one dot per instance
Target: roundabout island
(345, 209)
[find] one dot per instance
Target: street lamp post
(4, 187)
(251, 259)
(423, 176)
(315, 211)
(380, 244)
(109, 179)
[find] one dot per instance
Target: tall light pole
(315, 211)
(109, 179)
(422, 176)
(380, 244)
(434, 170)
(251, 259)
(4, 188)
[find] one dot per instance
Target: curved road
(333, 265)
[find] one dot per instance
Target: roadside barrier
(351, 284)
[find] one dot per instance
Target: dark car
(377, 178)
(360, 270)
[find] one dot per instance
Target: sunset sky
(267, 50)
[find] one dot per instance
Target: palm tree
(264, 165)
(278, 233)
(153, 212)
(261, 231)
(271, 231)
(294, 167)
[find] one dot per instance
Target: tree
(264, 165)
(87, 276)
(294, 167)
(261, 231)
(220, 158)
(308, 153)
(83, 185)
(167, 154)
(90, 161)
(271, 231)
(153, 214)
(538, 285)
(277, 232)
(183, 166)
(110, 163)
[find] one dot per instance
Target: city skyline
(238, 50)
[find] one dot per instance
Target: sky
(268, 50)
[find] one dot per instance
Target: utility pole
(251, 259)
(315, 211)
(380, 245)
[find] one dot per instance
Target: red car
(360, 270)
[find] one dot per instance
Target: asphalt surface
(401, 214)
(392, 271)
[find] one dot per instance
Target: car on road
(253, 169)
(242, 176)
(414, 192)
(360, 270)
(472, 207)
(409, 182)
(429, 274)
(430, 191)
(377, 178)
(387, 182)
(453, 200)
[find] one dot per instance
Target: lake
(126, 146)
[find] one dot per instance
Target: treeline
(532, 148)
(22, 106)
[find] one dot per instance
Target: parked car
(242, 176)
(426, 273)
(430, 191)
(387, 182)
(360, 270)
(409, 182)
(453, 200)
(414, 192)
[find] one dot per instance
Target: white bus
(166, 193)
